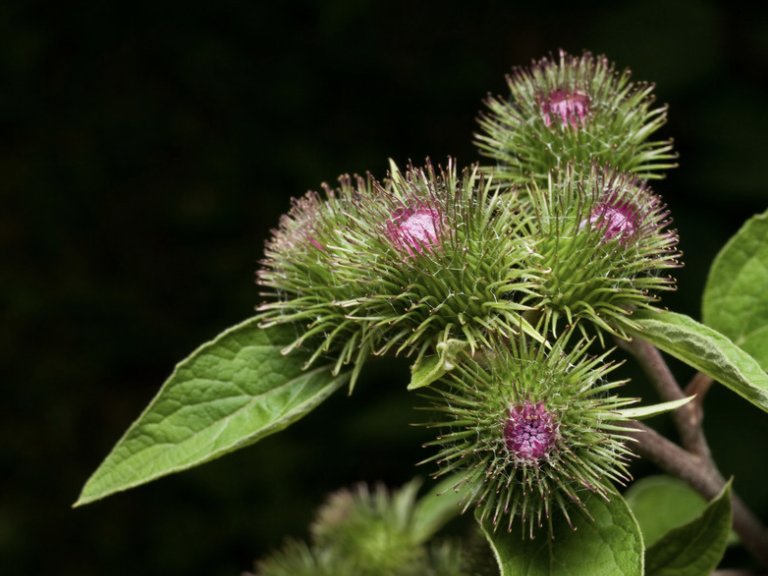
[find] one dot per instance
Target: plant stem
(688, 418)
(699, 386)
(693, 463)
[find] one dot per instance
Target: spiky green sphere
(372, 528)
(577, 109)
(400, 266)
(531, 429)
(602, 248)
(299, 269)
(367, 532)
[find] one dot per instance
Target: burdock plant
(573, 110)
(402, 266)
(506, 286)
(530, 429)
(368, 532)
(603, 248)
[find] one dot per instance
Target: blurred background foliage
(148, 147)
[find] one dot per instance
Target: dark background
(146, 150)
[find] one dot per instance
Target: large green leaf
(611, 545)
(661, 503)
(228, 394)
(735, 299)
(696, 548)
(706, 350)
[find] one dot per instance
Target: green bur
(401, 266)
(575, 110)
(601, 249)
(575, 447)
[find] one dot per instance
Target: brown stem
(687, 418)
(693, 464)
(702, 475)
(699, 386)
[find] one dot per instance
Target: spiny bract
(601, 248)
(530, 428)
(576, 110)
(400, 266)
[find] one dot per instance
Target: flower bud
(530, 430)
(365, 532)
(577, 109)
(569, 107)
(617, 216)
(300, 271)
(400, 266)
(530, 433)
(601, 249)
(415, 230)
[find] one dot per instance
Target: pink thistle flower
(616, 219)
(530, 433)
(413, 230)
(572, 107)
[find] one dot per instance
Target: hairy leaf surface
(228, 394)
(735, 299)
(706, 350)
(611, 545)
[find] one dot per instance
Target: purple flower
(415, 229)
(571, 107)
(531, 433)
(617, 219)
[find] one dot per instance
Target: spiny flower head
(400, 266)
(444, 251)
(577, 109)
(372, 528)
(299, 271)
(415, 229)
(602, 248)
(367, 532)
(530, 430)
(569, 107)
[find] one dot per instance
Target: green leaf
(431, 368)
(228, 394)
(696, 548)
(661, 503)
(426, 371)
(643, 412)
(610, 545)
(706, 350)
(735, 299)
